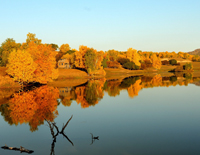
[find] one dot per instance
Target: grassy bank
(78, 77)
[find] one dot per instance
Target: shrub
(131, 66)
(148, 63)
(104, 64)
(143, 66)
(173, 61)
(123, 60)
(113, 64)
(165, 62)
(188, 66)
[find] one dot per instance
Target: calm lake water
(137, 115)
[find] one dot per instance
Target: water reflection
(90, 94)
(31, 107)
(40, 104)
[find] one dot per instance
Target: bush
(113, 64)
(173, 61)
(143, 66)
(165, 62)
(131, 66)
(147, 63)
(104, 64)
(188, 66)
(123, 60)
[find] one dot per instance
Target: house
(64, 63)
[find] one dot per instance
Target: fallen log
(21, 149)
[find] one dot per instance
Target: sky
(147, 25)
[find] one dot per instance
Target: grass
(78, 77)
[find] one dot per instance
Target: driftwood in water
(94, 138)
(52, 126)
(21, 149)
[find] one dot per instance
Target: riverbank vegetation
(33, 61)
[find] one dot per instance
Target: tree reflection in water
(34, 106)
(91, 93)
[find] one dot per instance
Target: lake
(136, 115)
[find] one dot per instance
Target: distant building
(64, 63)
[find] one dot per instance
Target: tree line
(33, 61)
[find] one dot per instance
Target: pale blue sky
(147, 25)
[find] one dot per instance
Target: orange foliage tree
(35, 64)
(80, 56)
(44, 56)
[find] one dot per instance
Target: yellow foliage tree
(21, 66)
(156, 61)
(133, 56)
(80, 56)
(35, 64)
(64, 48)
(31, 38)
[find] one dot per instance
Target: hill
(195, 52)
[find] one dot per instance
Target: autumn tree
(156, 61)
(31, 38)
(113, 54)
(21, 66)
(133, 56)
(80, 56)
(89, 59)
(64, 48)
(44, 56)
(36, 64)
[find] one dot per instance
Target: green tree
(131, 65)
(173, 61)
(54, 46)
(6, 48)
(188, 66)
(70, 52)
(90, 59)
